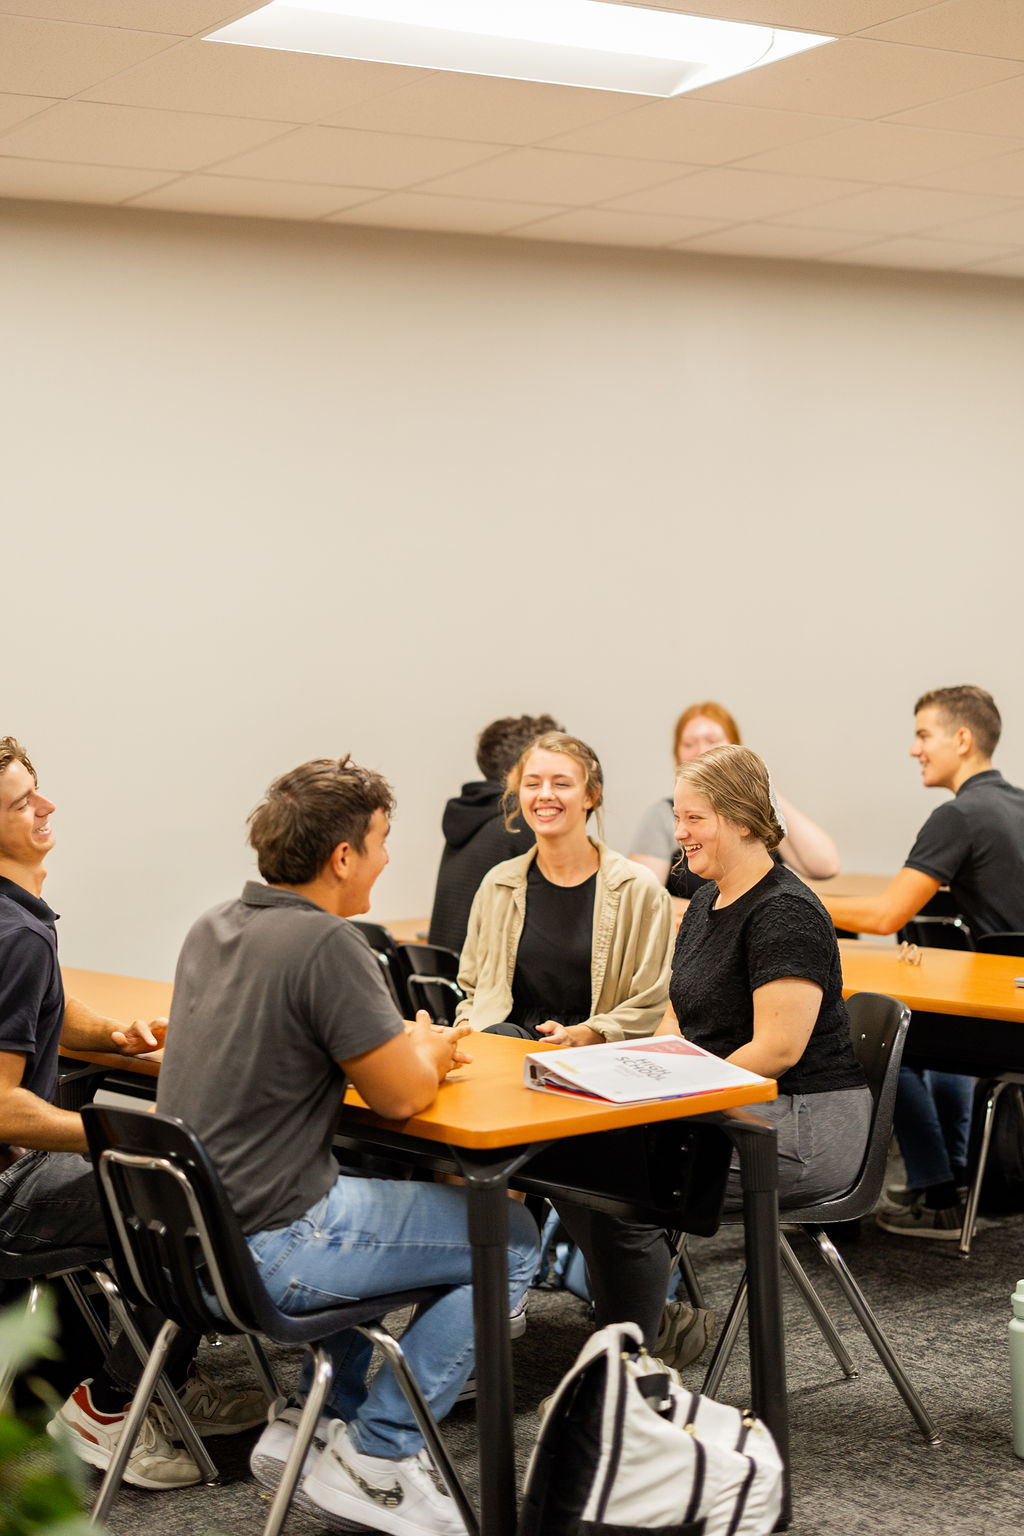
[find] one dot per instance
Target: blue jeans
(369, 1236)
(933, 1124)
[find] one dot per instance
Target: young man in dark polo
(48, 1195)
(973, 843)
(277, 1002)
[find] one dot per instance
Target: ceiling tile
(698, 132)
(841, 16)
(460, 215)
(994, 27)
(933, 255)
(603, 226)
(249, 82)
(183, 17)
(1000, 177)
(858, 78)
(17, 109)
(732, 196)
(65, 183)
(878, 152)
(997, 108)
(344, 157)
(234, 195)
(548, 175)
(55, 58)
(457, 106)
(1005, 227)
(773, 241)
(86, 131)
(893, 210)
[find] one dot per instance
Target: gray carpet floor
(859, 1464)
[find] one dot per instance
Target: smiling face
(363, 868)
(698, 735)
(938, 748)
(712, 845)
(25, 833)
(553, 796)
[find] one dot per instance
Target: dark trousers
(48, 1201)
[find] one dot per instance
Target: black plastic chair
(177, 1245)
(432, 980)
(75, 1267)
(937, 933)
(990, 1091)
(382, 941)
(879, 1028)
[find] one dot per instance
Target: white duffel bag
(625, 1448)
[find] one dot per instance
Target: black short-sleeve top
(777, 929)
(31, 989)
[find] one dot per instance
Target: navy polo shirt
(31, 988)
(974, 843)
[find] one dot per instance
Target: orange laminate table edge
(947, 980)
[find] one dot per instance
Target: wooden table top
(485, 1104)
(947, 980)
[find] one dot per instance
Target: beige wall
(278, 491)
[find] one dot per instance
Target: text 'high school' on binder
(655, 1067)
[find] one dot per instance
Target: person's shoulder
(508, 872)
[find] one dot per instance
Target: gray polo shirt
(271, 993)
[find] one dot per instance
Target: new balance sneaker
(400, 1498)
(154, 1462)
(214, 1411)
(919, 1220)
(684, 1334)
(271, 1450)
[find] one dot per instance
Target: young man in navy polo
(973, 843)
(48, 1195)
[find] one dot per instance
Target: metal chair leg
(687, 1271)
(263, 1368)
(877, 1338)
(323, 1372)
(169, 1398)
(425, 1419)
(974, 1194)
(816, 1307)
(133, 1423)
(88, 1311)
(727, 1342)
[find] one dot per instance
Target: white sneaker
(402, 1498)
(273, 1447)
(93, 1436)
(215, 1411)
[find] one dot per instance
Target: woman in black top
(756, 975)
(756, 979)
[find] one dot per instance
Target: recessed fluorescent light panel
(591, 43)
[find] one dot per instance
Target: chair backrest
(878, 1031)
(937, 933)
(439, 996)
(430, 960)
(1000, 943)
(173, 1236)
(389, 958)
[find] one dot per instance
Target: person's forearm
(766, 1060)
(863, 914)
(807, 848)
(29, 1121)
(86, 1030)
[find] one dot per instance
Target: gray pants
(821, 1141)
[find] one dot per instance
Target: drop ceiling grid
(901, 143)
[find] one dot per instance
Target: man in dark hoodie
(474, 828)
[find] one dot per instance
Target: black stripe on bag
(699, 1463)
(615, 1449)
(742, 1496)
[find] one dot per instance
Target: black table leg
(487, 1181)
(755, 1141)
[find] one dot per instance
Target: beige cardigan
(632, 950)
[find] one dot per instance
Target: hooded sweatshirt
(475, 840)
